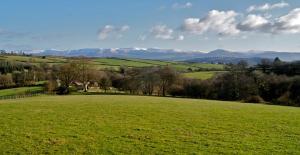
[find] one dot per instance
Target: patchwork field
(106, 124)
(114, 63)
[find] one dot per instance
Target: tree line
(18, 74)
(240, 82)
(274, 82)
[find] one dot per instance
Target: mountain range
(216, 56)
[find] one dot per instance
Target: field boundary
(9, 97)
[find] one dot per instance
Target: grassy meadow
(20, 90)
(106, 124)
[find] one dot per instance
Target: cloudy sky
(202, 25)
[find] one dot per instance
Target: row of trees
(239, 83)
(279, 67)
(17, 74)
(251, 84)
(242, 83)
(148, 81)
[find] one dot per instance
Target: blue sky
(188, 25)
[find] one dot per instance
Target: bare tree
(167, 78)
(104, 80)
(67, 73)
(86, 72)
(149, 80)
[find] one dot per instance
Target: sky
(199, 25)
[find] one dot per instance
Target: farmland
(150, 125)
(113, 63)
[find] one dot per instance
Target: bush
(62, 90)
(176, 90)
(283, 100)
(50, 86)
(295, 91)
(254, 99)
(6, 81)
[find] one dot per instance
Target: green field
(145, 125)
(181, 66)
(113, 63)
(19, 91)
(202, 75)
(33, 59)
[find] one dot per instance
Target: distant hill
(227, 60)
(216, 56)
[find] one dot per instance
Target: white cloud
(124, 28)
(162, 32)
(289, 23)
(180, 38)
(221, 22)
(225, 23)
(267, 6)
(105, 31)
(142, 37)
(182, 6)
(112, 31)
(253, 23)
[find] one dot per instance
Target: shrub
(177, 90)
(254, 99)
(62, 90)
(284, 99)
(50, 86)
(295, 91)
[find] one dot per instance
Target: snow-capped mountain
(170, 54)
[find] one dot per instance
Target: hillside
(147, 125)
(215, 56)
(114, 63)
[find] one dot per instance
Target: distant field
(19, 91)
(114, 63)
(33, 59)
(145, 125)
(202, 75)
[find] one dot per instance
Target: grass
(19, 91)
(181, 66)
(208, 66)
(202, 75)
(33, 59)
(113, 63)
(145, 125)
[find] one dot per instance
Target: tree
(265, 65)
(6, 81)
(167, 77)
(131, 80)
(104, 81)
(18, 78)
(86, 72)
(149, 80)
(295, 91)
(50, 86)
(67, 74)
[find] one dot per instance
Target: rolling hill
(219, 55)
